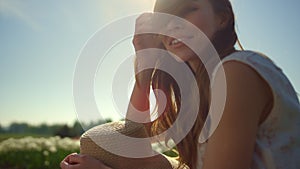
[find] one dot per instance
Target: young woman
(260, 125)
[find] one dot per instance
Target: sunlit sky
(41, 40)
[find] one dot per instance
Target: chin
(183, 56)
(178, 58)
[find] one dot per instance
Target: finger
(142, 38)
(141, 20)
(144, 17)
(150, 21)
(144, 23)
(144, 29)
(75, 159)
(65, 165)
(66, 159)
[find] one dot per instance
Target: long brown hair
(223, 41)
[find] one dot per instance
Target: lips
(177, 42)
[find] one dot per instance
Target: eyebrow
(171, 7)
(185, 7)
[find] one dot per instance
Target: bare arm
(138, 108)
(232, 144)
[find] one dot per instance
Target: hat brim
(89, 145)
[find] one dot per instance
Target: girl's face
(201, 14)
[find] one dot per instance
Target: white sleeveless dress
(278, 138)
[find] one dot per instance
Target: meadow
(23, 146)
(35, 152)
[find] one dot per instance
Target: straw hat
(104, 141)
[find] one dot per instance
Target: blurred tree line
(62, 130)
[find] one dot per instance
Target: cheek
(164, 41)
(206, 24)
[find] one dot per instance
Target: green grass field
(27, 151)
(34, 152)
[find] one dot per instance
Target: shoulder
(242, 74)
(240, 65)
(247, 95)
(243, 79)
(246, 55)
(252, 61)
(244, 84)
(242, 68)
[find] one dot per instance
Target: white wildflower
(45, 153)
